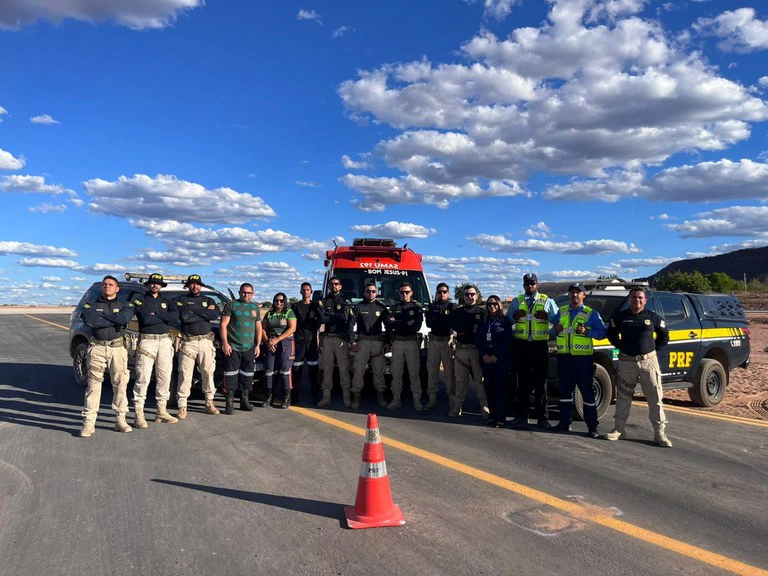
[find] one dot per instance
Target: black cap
(193, 279)
(576, 287)
(155, 279)
(530, 279)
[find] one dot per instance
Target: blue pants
(496, 384)
(280, 361)
(575, 371)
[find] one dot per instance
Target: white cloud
(136, 15)
(51, 279)
(538, 230)
(313, 256)
(306, 183)
(166, 197)
(46, 207)
(341, 31)
(711, 181)
(43, 119)
(661, 217)
(571, 274)
(189, 245)
(731, 221)
(8, 162)
(763, 81)
(498, 9)
(740, 30)
(13, 247)
(632, 263)
(309, 15)
(497, 243)
(394, 229)
(32, 185)
(596, 91)
(2, 112)
(350, 164)
(49, 263)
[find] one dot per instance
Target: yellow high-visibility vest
(568, 342)
(529, 327)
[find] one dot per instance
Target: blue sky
(237, 139)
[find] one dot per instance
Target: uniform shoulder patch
(138, 302)
(86, 305)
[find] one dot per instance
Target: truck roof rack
(143, 276)
(383, 242)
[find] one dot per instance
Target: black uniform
(632, 334)
(307, 351)
(155, 315)
(195, 316)
(108, 318)
(464, 321)
(368, 320)
(438, 317)
(335, 314)
(405, 319)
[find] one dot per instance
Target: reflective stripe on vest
(568, 342)
(528, 327)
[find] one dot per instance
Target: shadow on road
(331, 510)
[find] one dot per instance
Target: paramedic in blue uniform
(575, 326)
(494, 336)
(531, 314)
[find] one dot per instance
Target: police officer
(335, 343)
(240, 338)
(107, 316)
(575, 326)
(531, 314)
(638, 333)
(438, 318)
(404, 322)
(367, 339)
(196, 313)
(308, 317)
(155, 350)
(464, 322)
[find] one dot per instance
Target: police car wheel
(602, 387)
(80, 364)
(709, 385)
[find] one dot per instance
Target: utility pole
(745, 281)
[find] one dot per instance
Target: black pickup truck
(708, 337)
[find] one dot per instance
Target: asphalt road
(263, 493)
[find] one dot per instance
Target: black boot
(296, 379)
(286, 400)
(268, 400)
(244, 402)
(230, 403)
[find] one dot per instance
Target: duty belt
(460, 345)
(190, 338)
(406, 338)
(439, 338)
(377, 338)
(113, 343)
(637, 358)
(153, 336)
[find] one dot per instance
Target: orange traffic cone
(373, 505)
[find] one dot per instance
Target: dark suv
(708, 337)
(80, 334)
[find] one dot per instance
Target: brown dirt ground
(747, 392)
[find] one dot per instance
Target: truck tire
(709, 385)
(79, 364)
(603, 389)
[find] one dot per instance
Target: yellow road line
(574, 509)
(46, 322)
(725, 417)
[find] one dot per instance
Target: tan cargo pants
(157, 354)
(467, 365)
(100, 358)
(200, 352)
(335, 349)
(369, 351)
(440, 352)
(647, 373)
(405, 353)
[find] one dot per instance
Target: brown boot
(355, 400)
(432, 403)
(182, 412)
(325, 400)
(210, 408)
(347, 397)
(380, 400)
(163, 416)
(121, 425)
(138, 420)
(88, 429)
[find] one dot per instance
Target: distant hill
(751, 261)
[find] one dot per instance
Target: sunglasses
(405, 291)
(335, 283)
(470, 294)
(370, 291)
(276, 300)
(442, 291)
(492, 304)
